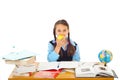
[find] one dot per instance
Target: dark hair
(71, 49)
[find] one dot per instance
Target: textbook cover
(47, 73)
(19, 55)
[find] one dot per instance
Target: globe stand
(105, 64)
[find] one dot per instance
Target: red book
(47, 73)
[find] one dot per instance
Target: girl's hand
(61, 42)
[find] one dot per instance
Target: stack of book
(25, 70)
(24, 62)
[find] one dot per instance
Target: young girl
(62, 48)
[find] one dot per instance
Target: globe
(105, 56)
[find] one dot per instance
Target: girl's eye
(64, 30)
(59, 30)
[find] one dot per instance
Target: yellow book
(67, 73)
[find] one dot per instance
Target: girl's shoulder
(73, 42)
(52, 42)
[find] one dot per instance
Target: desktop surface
(64, 75)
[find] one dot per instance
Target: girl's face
(61, 30)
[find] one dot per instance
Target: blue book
(19, 55)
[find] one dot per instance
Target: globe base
(105, 64)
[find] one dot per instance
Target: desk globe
(105, 56)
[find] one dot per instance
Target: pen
(58, 65)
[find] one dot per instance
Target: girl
(62, 48)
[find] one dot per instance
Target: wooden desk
(62, 76)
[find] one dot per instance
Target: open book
(93, 71)
(57, 65)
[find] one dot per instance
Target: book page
(57, 65)
(48, 66)
(101, 70)
(87, 64)
(68, 64)
(84, 72)
(85, 69)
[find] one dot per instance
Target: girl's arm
(52, 55)
(76, 56)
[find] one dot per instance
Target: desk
(62, 76)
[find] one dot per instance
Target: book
(57, 65)
(47, 73)
(24, 61)
(26, 68)
(19, 55)
(20, 74)
(67, 73)
(94, 70)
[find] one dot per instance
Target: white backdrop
(28, 24)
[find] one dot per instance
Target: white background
(28, 24)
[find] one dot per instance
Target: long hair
(70, 47)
